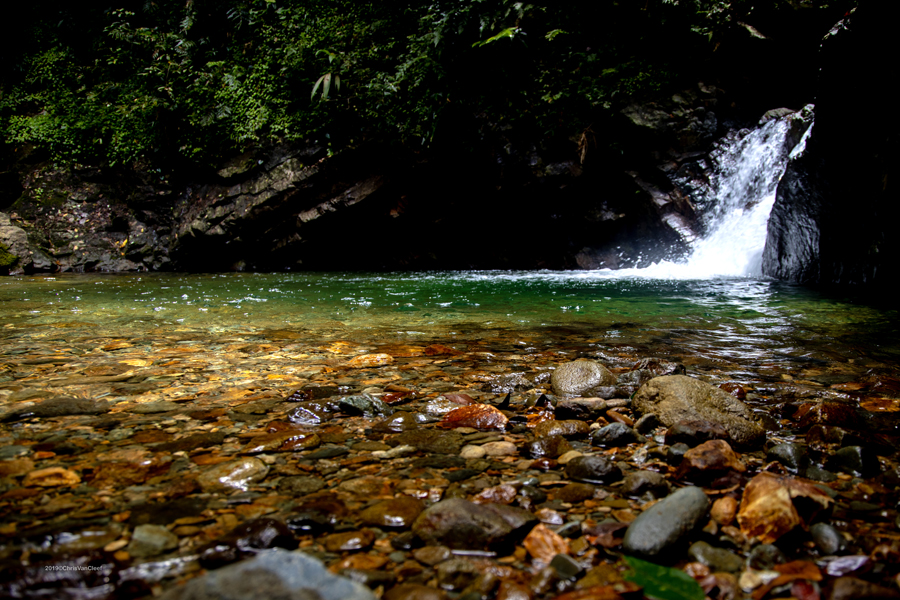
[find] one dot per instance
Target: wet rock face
(677, 398)
(813, 237)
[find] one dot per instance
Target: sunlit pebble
(472, 452)
(724, 510)
(752, 579)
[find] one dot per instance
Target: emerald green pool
(739, 320)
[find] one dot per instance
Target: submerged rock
(429, 440)
(717, 559)
(552, 446)
(247, 539)
(593, 469)
(695, 432)
(615, 435)
(677, 398)
(581, 378)
(364, 405)
(568, 429)
(793, 456)
(271, 574)
(856, 460)
(394, 512)
(236, 475)
(57, 407)
(459, 523)
(646, 482)
(151, 540)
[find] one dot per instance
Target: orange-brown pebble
(724, 510)
(51, 477)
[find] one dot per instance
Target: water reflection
(729, 319)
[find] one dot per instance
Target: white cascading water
(747, 171)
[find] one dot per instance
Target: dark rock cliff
(503, 202)
(837, 205)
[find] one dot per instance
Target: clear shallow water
(737, 320)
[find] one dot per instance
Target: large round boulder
(675, 398)
(581, 378)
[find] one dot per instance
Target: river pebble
(151, 540)
(272, 574)
(458, 523)
(580, 378)
(593, 469)
(666, 523)
(235, 475)
(219, 449)
(395, 512)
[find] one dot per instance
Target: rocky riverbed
(269, 463)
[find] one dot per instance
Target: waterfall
(745, 168)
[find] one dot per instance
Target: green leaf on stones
(663, 583)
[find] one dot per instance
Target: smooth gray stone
(665, 523)
(274, 575)
(827, 538)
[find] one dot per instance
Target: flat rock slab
(675, 398)
(271, 574)
(60, 406)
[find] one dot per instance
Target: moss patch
(7, 258)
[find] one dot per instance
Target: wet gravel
(130, 466)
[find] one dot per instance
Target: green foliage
(663, 583)
(189, 82)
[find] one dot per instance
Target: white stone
(472, 452)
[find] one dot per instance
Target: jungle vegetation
(176, 82)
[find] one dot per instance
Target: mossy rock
(7, 258)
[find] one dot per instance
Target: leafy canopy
(190, 81)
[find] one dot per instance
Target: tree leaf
(316, 87)
(552, 34)
(663, 583)
(509, 32)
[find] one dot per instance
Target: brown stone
(349, 540)
(51, 477)
(396, 512)
(365, 361)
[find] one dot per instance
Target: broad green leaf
(663, 583)
(316, 87)
(509, 32)
(552, 34)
